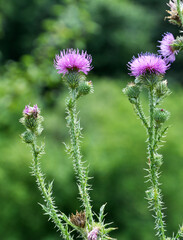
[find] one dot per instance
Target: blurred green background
(31, 33)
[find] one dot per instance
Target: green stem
(158, 136)
(179, 11)
(153, 172)
(81, 173)
(49, 208)
(140, 113)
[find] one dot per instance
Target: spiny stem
(158, 137)
(179, 234)
(50, 208)
(81, 173)
(179, 11)
(140, 113)
(153, 172)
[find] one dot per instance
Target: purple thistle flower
(166, 50)
(147, 63)
(31, 111)
(71, 59)
(93, 234)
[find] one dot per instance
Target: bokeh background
(31, 33)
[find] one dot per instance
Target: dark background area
(112, 31)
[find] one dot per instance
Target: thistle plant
(74, 67)
(149, 72)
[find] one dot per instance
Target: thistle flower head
(93, 234)
(72, 60)
(147, 63)
(166, 48)
(31, 111)
(174, 17)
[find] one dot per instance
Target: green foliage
(22, 19)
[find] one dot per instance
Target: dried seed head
(174, 17)
(79, 219)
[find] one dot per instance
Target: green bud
(72, 79)
(31, 122)
(161, 116)
(85, 88)
(158, 159)
(132, 91)
(27, 137)
(162, 89)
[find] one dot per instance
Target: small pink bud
(93, 234)
(31, 111)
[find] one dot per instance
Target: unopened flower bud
(31, 114)
(160, 116)
(30, 123)
(93, 234)
(72, 79)
(31, 111)
(32, 119)
(132, 91)
(27, 137)
(85, 88)
(162, 89)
